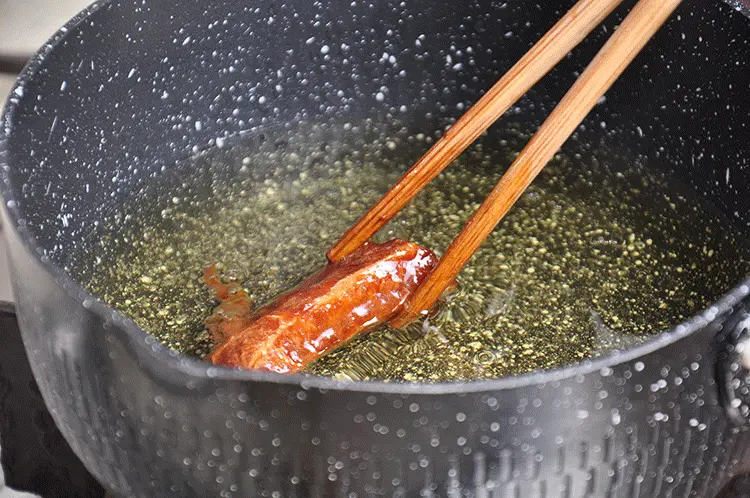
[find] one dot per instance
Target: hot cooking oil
(593, 257)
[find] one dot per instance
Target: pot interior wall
(122, 97)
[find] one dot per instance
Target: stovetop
(34, 455)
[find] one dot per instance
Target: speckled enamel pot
(130, 86)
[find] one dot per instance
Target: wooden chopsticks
(622, 47)
(563, 37)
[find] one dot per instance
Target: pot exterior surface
(112, 102)
(650, 427)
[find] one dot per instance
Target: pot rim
(164, 358)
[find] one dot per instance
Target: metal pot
(101, 112)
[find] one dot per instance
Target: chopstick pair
(639, 26)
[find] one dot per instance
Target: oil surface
(592, 258)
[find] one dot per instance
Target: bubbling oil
(593, 257)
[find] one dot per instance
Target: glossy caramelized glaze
(365, 289)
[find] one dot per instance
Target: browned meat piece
(365, 289)
(233, 313)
